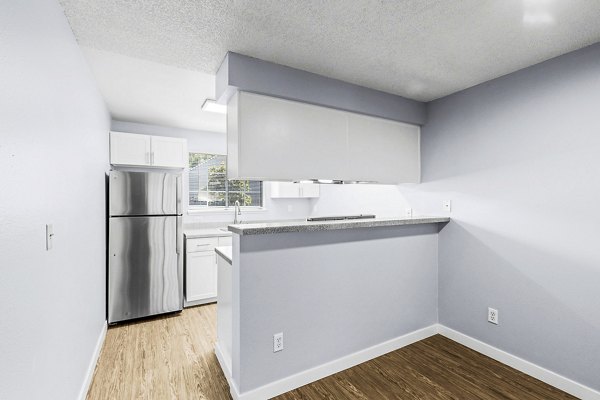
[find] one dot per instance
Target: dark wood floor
(173, 358)
(434, 368)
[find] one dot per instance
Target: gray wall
(519, 157)
(254, 75)
(53, 157)
(330, 293)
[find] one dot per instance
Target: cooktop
(341, 217)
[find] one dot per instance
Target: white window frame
(199, 210)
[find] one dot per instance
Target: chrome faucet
(237, 211)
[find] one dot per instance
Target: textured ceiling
(421, 49)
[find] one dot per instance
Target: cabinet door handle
(147, 157)
(152, 158)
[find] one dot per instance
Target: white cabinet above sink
(269, 138)
(293, 190)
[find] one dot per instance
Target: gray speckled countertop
(225, 252)
(305, 226)
(205, 232)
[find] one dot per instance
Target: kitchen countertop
(312, 226)
(225, 252)
(205, 232)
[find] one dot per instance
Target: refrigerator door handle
(179, 195)
(179, 234)
(179, 251)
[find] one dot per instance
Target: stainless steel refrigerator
(145, 242)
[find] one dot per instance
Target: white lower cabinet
(201, 276)
(201, 269)
(225, 240)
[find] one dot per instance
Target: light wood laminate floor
(173, 357)
(170, 357)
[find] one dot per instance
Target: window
(209, 187)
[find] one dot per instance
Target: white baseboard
(200, 302)
(92, 366)
(319, 372)
(227, 372)
(551, 378)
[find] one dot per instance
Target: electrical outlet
(493, 315)
(409, 212)
(447, 205)
(277, 342)
(290, 208)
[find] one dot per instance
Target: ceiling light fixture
(211, 105)
(537, 12)
(537, 18)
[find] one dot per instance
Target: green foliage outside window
(208, 184)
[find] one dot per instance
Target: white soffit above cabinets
(419, 49)
(144, 91)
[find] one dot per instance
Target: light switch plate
(447, 205)
(49, 236)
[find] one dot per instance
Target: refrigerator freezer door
(145, 267)
(144, 193)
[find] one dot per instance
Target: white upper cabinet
(129, 149)
(276, 139)
(308, 190)
(169, 152)
(283, 190)
(382, 150)
(292, 190)
(270, 138)
(151, 151)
